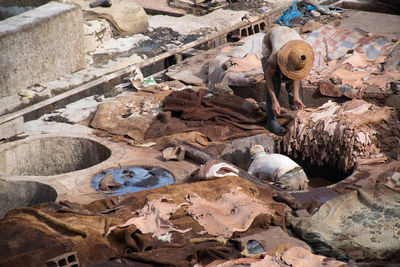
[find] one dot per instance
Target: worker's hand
(276, 108)
(298, 104)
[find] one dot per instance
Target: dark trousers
(276, 81)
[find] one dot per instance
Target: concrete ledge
(40, 45)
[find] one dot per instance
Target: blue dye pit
(134, 179)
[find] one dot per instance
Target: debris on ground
(302, 11)
(58, 118)
(174, 153)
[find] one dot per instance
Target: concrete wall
(23, 3)
(11, 8)
(40, 45)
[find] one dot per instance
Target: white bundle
(279, 169)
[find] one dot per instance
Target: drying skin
(212, 170)
(353, 58)
(69, 228)
(233, 211)
(136, 22)
(350, 133)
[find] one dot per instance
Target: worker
(285, 57)
(278, 169)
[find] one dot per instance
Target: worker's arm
(276, 108)
(296, 96)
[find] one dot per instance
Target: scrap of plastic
(289, 14)
(293, 12)
(310, 7)
(328, 10)
(149, 81)
(336, 9)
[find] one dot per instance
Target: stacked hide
(343, 134)
(348, 62)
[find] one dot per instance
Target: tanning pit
(321, 176)
(237, 153)
(16, 194)
(120, 181)
(50, 156)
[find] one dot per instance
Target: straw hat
(295, 59)
(256, 149)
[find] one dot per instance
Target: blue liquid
(134, 179)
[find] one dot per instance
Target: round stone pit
(51, 156)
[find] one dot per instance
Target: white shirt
(273, 41)
(270, 166)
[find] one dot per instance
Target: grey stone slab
(12, 128)
(9, 103)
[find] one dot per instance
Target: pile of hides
(362, 225)
(350, 133)
(126, 16)
(346, 62)
(217, 117)
(175, 225)
(238, 65)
